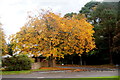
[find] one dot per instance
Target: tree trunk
(111, 60)
(110, 54)
(50, 61)
(84, 62)
(81, 60)
(72, 62)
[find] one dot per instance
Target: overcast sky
(13, 13)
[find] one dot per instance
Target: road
(95, 72)
(65, 74)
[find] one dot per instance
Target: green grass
(90, 78)
(22, 72)
(15, 72)
(84, 79)
(106, 77)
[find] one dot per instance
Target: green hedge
(17, 63)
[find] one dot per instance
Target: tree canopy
(104, 17)
(49, 34)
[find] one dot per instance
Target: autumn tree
(3, 45)
(51, 35)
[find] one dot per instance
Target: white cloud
(14, 12)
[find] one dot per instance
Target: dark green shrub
(17, 63)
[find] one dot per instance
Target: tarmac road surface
(62, 74)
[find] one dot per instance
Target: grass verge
(29, 71)
(22, 72)
(106, 77)
(15, 72)
(91, 78)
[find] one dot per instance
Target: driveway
(89, 68)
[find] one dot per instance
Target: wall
(36, 65)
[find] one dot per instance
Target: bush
(17, 63)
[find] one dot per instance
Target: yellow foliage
(50, 33)
(3, 45)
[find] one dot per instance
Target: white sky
(13, 13)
